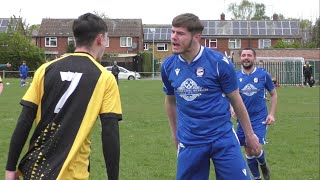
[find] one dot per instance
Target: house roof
(5, 24)
(231, 28)
(116, 27)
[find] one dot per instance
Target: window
(71, 40)
(145, 46)
(211, 43)
(234, 43)
(107, 45)
(162, 46)
(125, 42)
(288, 40)
(264, 43)
(51, 42)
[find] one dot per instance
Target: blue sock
(253, 166)
(261, 158)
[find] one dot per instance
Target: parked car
(125, 73)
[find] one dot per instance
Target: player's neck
(191, 53)
(248, 71)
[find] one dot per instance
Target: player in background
(23, 73)
(63, 101)
(253, 83)
(199, 84)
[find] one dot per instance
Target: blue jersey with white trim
(200, 89)
(252, 89)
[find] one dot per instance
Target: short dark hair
(86, 28)
(189, 21)
(248, 48)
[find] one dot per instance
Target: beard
(185, 49)
(247, 66)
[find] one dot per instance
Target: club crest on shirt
(255, 80)
(200, 71)
(240, 79)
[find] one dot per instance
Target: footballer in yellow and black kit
(66, 95)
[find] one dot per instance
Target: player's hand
(252, 142)
(270, 119)
(233, 114)
(12, 175)
(8, 65)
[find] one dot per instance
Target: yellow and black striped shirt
(68, 93)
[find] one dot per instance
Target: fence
(287, 71)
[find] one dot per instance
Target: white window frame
(234, 43)
(71, 40)
(162, 46)
(125, 41)
(209, 42)
(146, 46)
(288, 40)
(50, 40)
(264, 43)
(107, 44)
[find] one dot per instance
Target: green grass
(147, 151)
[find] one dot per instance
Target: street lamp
(153, 30)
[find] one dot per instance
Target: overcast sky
(150, 11)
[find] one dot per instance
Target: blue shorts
(194, 162)
(24, 76)
(261, 133)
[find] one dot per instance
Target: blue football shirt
(252, 89)
(200, 89)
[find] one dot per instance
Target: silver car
(125, 73)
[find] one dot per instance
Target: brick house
(227, 35)
(125, 38)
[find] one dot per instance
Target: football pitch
(147, 151)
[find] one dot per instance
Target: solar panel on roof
(262, 32)
(236, 24)
(5, 22)
(285, 24)
(261, 24)
(254, 32)
(277, 24)
(243, 25)
(294, 31)
(244, 32)
(278, 32)
(236, 32)
(254, 24)
(286, 32)
(270, 32)
(294, 24)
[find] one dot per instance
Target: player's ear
(99, 39)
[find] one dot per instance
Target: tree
(243, 11)
(247, 10)
(260, 11)
(315, 34)
(16, 47)
(71, 47)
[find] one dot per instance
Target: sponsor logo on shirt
(249, 90)
(189, 90)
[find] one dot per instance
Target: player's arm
(111, 145)
(1, 87)
(274, 100)
(170, 105)
(19, 136)
(243, 117)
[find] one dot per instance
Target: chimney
(222, 17)
(275, 17)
